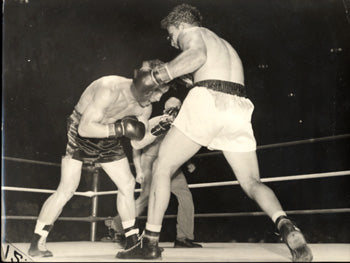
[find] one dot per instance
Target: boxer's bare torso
(206, 55)
(105, 101)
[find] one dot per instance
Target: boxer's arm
(136, 155)
(192, 57)
(90, 123)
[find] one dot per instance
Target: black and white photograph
(175, 131)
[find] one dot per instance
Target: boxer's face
(173, 34)
(158, 93)
(155, 96)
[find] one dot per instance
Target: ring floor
(87, 251)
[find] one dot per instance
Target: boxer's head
(183, 13)
(178, 17)
(147, 96)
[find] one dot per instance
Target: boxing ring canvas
(211, 252)
(296, 61)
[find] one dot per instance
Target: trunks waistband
(223, 86)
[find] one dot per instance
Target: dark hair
(151, 64)
(182, 13)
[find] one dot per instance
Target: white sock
(129, 223)
(39, 229)
(153, 228)
(132, 232)
(277, 214)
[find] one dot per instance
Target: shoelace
(42, 244)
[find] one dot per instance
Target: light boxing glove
(161, 74)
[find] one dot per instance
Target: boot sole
(39, 254)
(299, 248)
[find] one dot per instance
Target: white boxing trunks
(217, 120)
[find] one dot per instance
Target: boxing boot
(146, 248)
(38, 247)
(131, 241)
(294, 239)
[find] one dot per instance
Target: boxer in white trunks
(216, 114)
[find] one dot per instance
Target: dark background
(296, 57)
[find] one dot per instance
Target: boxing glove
(145, 82)
(161, 128)
(129, 127)
(161, 74)
(173, 111)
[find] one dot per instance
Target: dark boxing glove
(129, 127)
(145, 82)
(161, 128)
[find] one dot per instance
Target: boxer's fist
(140, 177)
(130, 127)
(161, 128)
(172, 112)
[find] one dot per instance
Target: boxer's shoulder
(113, 82)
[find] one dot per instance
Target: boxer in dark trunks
(110, 107)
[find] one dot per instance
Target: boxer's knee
(64, 194)
(164, 168)
(251, 186)
(127, 187)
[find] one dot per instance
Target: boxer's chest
(120, 109)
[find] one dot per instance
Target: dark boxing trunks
(101, 150)
(223, 86)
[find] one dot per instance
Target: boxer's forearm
(136, 155)
(93, 130)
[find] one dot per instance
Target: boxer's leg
(142, 201)
(175, 150)
(52, 208)
(119, 172)
(245, 167)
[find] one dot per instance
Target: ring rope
(275, 179)
(30, 161)
(236, 214)
(21, 160)
(267, 146)
(200, 185)
(34, 190)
